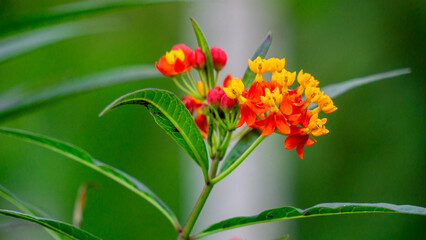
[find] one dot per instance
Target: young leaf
(206, 50)
(23, 102)
(171, 115)
(260, 52)
(16, 45)
(6, 194)
(336, 89)
(324, 209)
(62, 228)
(242, 145)
(84, 158)
(76, 9)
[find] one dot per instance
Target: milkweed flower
(299, 137)
(272, 106)
(178, 60)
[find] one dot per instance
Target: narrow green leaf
(324, 209)
(16, 45)
(171, 115)
(202, 43)
(242, 145)
(75, 9)
(260, 52)
(62, 228)
(334, 90)
(26, 207)
(23, 102)
(84, 158)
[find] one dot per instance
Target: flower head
(178, 60)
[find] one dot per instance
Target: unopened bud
(219, 57)
(226, 102)
(214, 96)
(199, 58)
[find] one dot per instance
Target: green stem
(217, 78)
(200, 203)
(238, 161)
(181, 87)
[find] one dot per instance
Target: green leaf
(171, 115)
(23, 102)
(16, 45)
(75, 9)
(202, 43)
(334, 90)
(260, 52)
(242, 145)
(62, 228)
(324, 209)
(84, 158)
(26, 207)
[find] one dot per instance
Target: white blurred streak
(264, 180)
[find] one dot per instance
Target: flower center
(173, 55)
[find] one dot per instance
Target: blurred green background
(374, 152)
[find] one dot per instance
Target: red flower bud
(183, 47)
(199, 58)
(219, 57)
(226, 102)
(214, 96)
(191, 103)
(202, 124)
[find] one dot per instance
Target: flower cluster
(271, 106)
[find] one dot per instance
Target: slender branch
(200, 202)
(238, 161)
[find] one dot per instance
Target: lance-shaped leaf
(260, 52)
(86, 159)
(62, 228)
(336, 89)
(242, 145)
(16, 45)
(170, 114)
(22, 102)
(206, 50)
(28, 208)
(75, 9)
(324, 209)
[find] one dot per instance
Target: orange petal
(179, 67)
(269, 125)
(281, 123)
(285, 106)
(299, 150)
(294, 140)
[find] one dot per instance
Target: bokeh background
(375, 151)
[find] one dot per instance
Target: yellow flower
(316, 126)
(326, 104)
(313, 94)
(258, 66)
(272, 98)
(235, 90)
(275, 64)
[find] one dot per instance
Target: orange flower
(178, 60)
(275, 118)
(299, 137)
